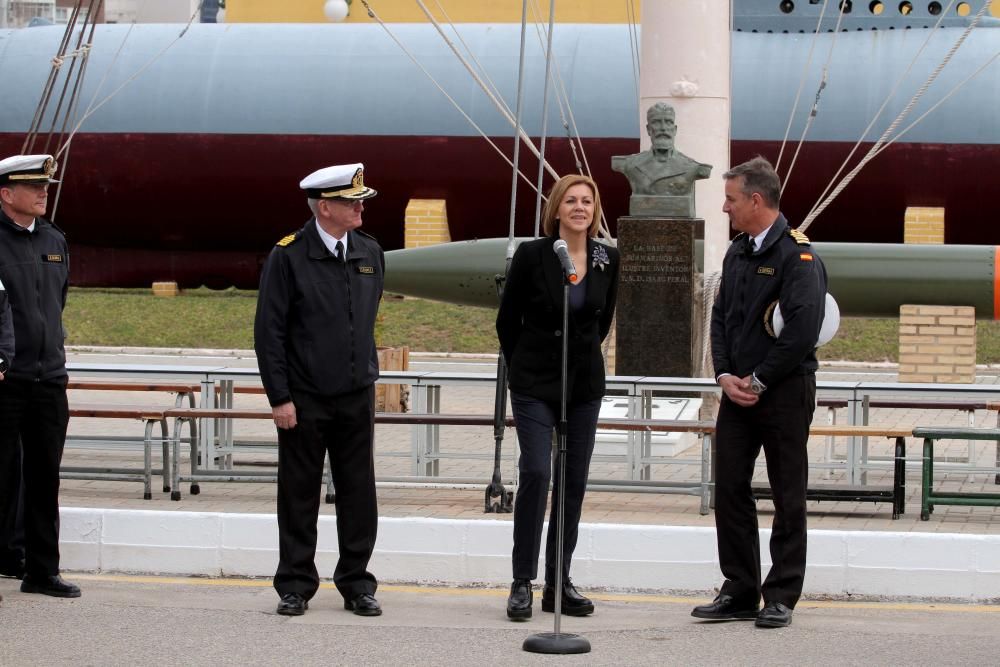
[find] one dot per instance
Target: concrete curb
(466, 552)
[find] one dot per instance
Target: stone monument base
(656, 325)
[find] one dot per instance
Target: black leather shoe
(724, 608)
(363, 605)
(573, 604)
(774, 615)
(519, 600)
(292, 604)
(53, 585)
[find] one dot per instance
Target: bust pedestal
(656, 328)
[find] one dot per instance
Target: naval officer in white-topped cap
(314, 335)
(34, 269)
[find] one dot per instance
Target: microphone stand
(558, 641)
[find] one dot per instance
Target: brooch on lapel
(599, 257)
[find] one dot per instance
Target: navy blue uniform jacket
(315, 324)
(34, 269)
(786, 271)
(529, 323)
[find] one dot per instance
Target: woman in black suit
(529, 326)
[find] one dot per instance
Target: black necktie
(340, 250)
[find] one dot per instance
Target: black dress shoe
(363, 605)
(53, 585)
(774, 615)
(573, 604)
(292, 604)
(724, 608)
(519, 600)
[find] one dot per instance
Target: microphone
(562, 250)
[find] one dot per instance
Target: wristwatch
(756, 386)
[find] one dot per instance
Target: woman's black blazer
(529, 323)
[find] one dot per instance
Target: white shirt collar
(758, 240)
(330, 241)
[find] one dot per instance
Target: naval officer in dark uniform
(769, 395)
(34, 269)
(314, 336)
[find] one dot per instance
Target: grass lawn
(224, 319)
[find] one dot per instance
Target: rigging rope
(92, 109)
(43, 103)
(939, 102)
(902, 115)
(633, 40)
(545, 115)
(572, 133)
(516, 138)
(802, 84)
(501, 107)
(819, 91)
(885, 103)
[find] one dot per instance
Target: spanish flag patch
(806, 257)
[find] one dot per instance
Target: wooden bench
(895, 494)
(929, 497)
(185, 392)
(964, 405)
(150, 416)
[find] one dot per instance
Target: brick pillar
(937, 343)
(426, 223)
(923, 224)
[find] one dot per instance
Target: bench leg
(175, 465)
(899, 479)
(165, 439)
(147, 462)
(706, 474)
(927, 470)
(193, 430)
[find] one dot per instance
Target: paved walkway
(150, 620)
(472, 449)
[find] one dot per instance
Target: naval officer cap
(343, 181)
(27, 169)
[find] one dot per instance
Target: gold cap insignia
(768, 319)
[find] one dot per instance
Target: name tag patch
(366, 269)
(52, 258)
(765, 270)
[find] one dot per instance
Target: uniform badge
(52, 258)
(286, 240)
(366, 269)
(806, 256)
(765, 270)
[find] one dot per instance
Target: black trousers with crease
(779, 423)
(536, 421)
(344, 427)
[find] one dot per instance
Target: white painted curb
(463, 552)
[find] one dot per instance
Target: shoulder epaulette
(365, 234)
(799, 237)
(287, 240)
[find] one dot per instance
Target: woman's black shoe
(519, 600)
(573, 604)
